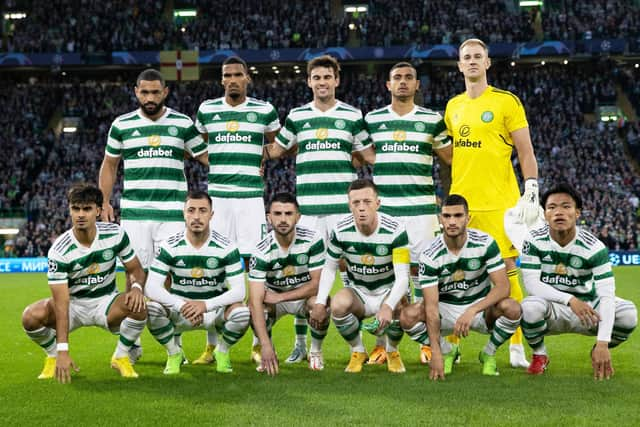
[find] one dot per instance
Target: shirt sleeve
(272, 120)
(287, 137)
(428, 272)
(316, 253)
(58, 270)
(114, 142)
(440, 135)
(193, 141)
(492, 258)
(606, 291)
(334, 247)
(361, 140)
(515, 117)
(199, 124)
(258, 267)
(125, 250)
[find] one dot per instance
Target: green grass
(566, 394)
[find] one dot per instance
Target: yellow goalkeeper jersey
(480, 129)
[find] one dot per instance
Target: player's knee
(240, 314)
(138, 315)
(627, 316)
(410, 315)
(34, 315)
(236, 307)
(533, 309)
(511, 309)
(341, 303)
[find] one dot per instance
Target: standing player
(326, 132)
(207, 286)
(406, 137)
(486, 124)
(284, 277)
(456, 273)
(375, 248)
(571, 287)
(82, 278)
(236, 127)
(152, 141)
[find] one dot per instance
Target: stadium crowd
(89, 26)
(568, 147)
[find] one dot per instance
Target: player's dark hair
(361, 183)
(324, 61)
(562, 188)
(403, 64)
(284, 198)
(84, 193)
(456, 200)
(236, 60)
(150, 75)
(199, 195)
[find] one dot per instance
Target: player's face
(454, 220)
(151, 95)
(84, 215)
(474, 62)
(561, 212)
(363, 204)
(235, 80)
(323, 83)
(283, 217)
(197, 214)
(403, 83)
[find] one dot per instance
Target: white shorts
(90, 311)
(146, 236)
(323, 224)
(296, 307)
(212, 319)
(449, 313)
(421, 229)
(241, 220)
(371, 302)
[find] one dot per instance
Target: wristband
(62, 346)
(136, 285)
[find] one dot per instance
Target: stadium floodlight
(637, 65)
(356, 9)
(352, 26)
(531, 3)
(185, 13)
(513, 63)
(252, 68)
(565, 62)
(15, 15)
(9, 231)
(543, 63)
(69, 129)
(275, 67)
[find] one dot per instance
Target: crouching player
(82, 278)
(283, 279)
(571, 288)
(456, 273)
(375, 248)
(207, 286)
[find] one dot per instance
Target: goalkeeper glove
(529, 203)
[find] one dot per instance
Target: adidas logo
(277, 265)
(216, 117)
(77, 267)
(382, 127)
(547, 258)
(351, 249)
(135, 133)
(306, 126)
(180, 263)
(445, 271)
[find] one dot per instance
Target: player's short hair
(150, 75)
(361, 183)
(84, 194)
(474, 41)
(562, 188)
(284, 198)
(456, 200)
(199, 195)
(324, 61)
(403, 64)
(236, 60)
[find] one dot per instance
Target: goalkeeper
(486, 124)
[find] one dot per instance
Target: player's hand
(436, 366)
(601, 361)
(193, 311)
(134, 300)
(384, 316)
(587, 315)
(318, 315)
(64, 364)
(529, 203)
(269, 360)
(271, 297)
(107, 213)
(463, 324)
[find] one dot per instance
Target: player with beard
(153, 141)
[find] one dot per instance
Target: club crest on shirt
(212, 263)
(173, 131)
(340, 124)
(575, 262)
(252, 117)
(107, 255)
(487, 116)
(302, 259)
(420, 127)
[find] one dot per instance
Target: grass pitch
(565, 395)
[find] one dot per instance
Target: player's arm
(529, 203)
(134, 298)
(400, 259)
(257, 293)
(445, 154)
(193, 309)
(203, 159)
(64, 362)
(531, 268)
(106, 181)
(606, 291)
(155, 290)
(431, 298)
